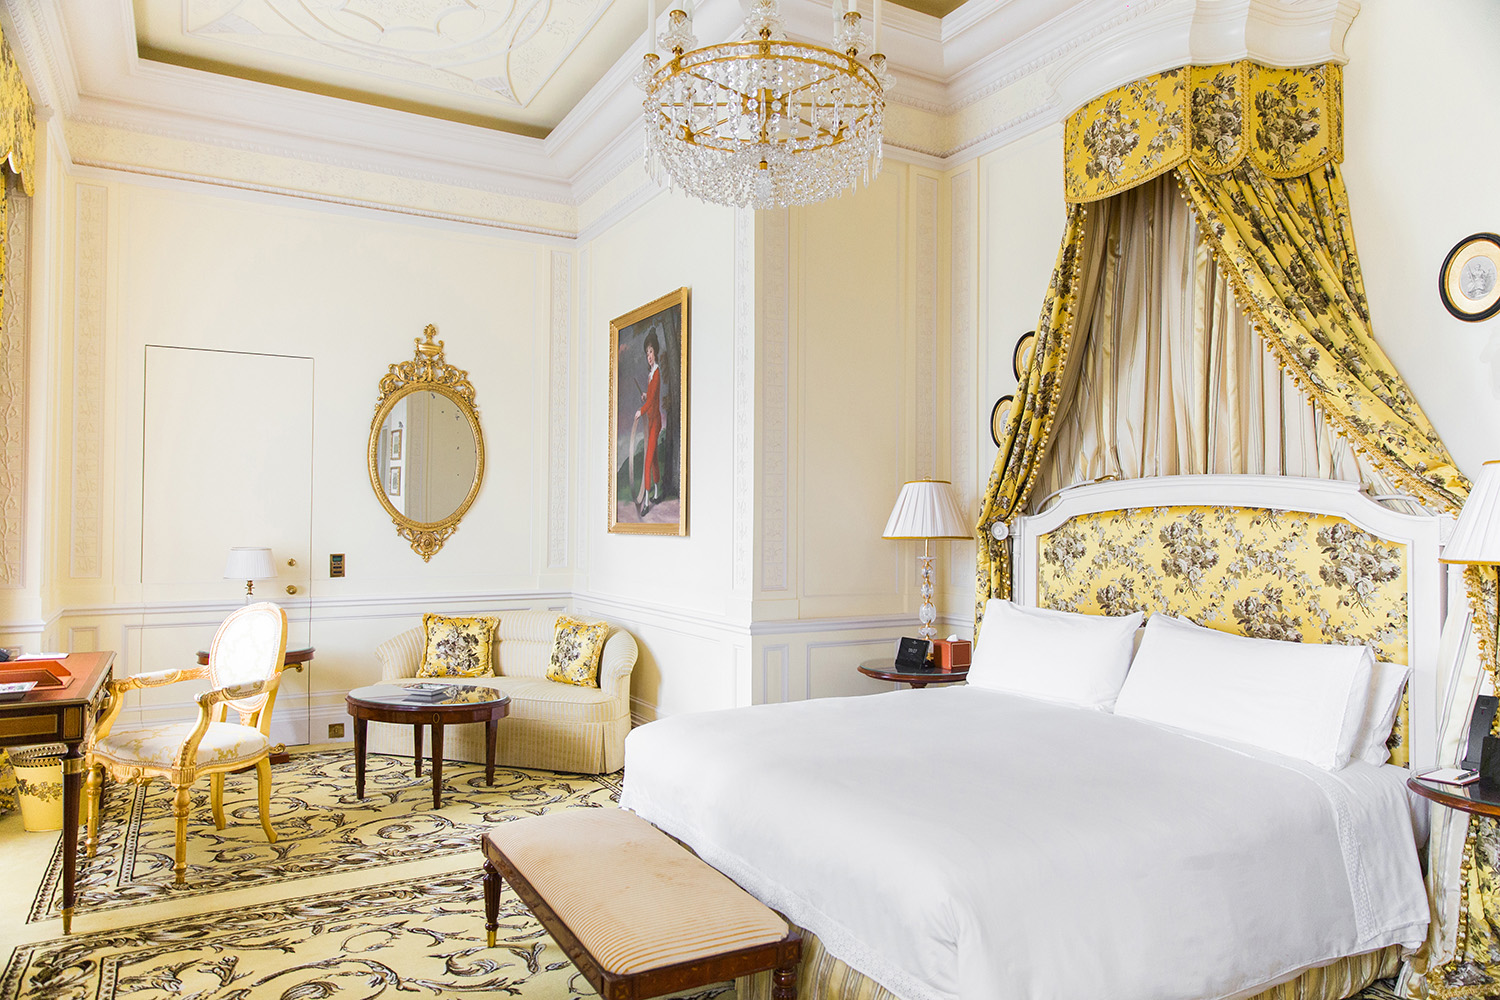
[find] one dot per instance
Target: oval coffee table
(398, 703)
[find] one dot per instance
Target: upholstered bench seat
(638, 913)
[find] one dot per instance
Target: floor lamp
(1476, 537)
(927, 509)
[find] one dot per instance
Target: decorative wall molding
(961, 348)
(925, 195)
(743, 474)
(773, 282)
(584, 439)
(14, 324)
(559, 400)
(86, 535)
(775, 657)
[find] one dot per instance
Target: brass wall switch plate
(335, 565)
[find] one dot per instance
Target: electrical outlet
(336, 731)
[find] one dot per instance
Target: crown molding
(986, 74)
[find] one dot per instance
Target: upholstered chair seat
(222, 743)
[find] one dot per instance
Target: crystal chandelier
(764, 122)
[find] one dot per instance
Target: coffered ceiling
(514, 65)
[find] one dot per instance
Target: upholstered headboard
(1306, 560)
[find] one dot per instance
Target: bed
(967, 842)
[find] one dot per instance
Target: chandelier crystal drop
(764, 122)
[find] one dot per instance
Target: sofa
(551, 725)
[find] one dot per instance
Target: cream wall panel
(1420, 171)
(670, 242)
(351, 292)
(674, 593)
(854, 422)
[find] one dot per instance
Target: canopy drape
(1255, 152)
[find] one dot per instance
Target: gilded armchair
(244, 669)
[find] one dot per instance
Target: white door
(227, 462)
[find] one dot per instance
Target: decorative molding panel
(962, 309)
(925, 192)
(774, 281)
(83, 640)
(744, 400)
(583, 414)
(558, 464)
(86, 533)
(13, 401)
(775, 660)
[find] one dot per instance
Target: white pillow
(1057, 655)
(1386, 685)
(1302, 699)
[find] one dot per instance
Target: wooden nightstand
(1480, 798)
(885, 670)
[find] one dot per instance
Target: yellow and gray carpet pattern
(358, 899)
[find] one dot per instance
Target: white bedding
(963, 843)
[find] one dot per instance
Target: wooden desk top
(87, 670)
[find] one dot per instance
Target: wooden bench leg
(491, 900)
(784, 983)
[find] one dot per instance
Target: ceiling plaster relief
(985, 75)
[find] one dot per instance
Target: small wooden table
(291, 660)
(1480, 798)
(885, 670)
(63, 714)
(396, 703)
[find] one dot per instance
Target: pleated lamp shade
(246, 563)
(927, 508)
(1476, 537)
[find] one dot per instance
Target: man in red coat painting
(651, 409)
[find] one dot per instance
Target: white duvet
(963, 843)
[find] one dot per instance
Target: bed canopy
(1207, 314)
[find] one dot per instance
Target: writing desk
(63, 714)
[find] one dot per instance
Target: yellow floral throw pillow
(457, 647)
(576, 647)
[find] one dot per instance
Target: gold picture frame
(1469, 280)
(648, 403)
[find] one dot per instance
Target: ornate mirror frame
(428, 370)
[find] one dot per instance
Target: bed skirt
(823, 977)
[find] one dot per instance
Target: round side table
(886, 670)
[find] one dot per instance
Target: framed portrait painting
(648, 418)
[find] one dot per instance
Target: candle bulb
(650, 25)
(838, 13)
(877, 26)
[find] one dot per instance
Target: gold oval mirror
(426, 454)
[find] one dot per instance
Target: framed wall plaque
(1469, 281)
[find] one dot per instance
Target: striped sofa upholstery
(558, 727)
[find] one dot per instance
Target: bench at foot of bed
(636, 912)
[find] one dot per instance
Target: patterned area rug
(404, 918)
(321, 828)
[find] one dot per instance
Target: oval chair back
(249, 647)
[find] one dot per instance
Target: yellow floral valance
(1287, 121)
(17, 118)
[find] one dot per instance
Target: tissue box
(950, 653)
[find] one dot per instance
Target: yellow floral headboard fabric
(1287, 121)
(1252, 571)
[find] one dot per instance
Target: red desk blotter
(46, 673)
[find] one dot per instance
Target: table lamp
(927, 509)
(249, 564)
(1476, 541)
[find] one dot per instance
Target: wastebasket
(39, 786)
